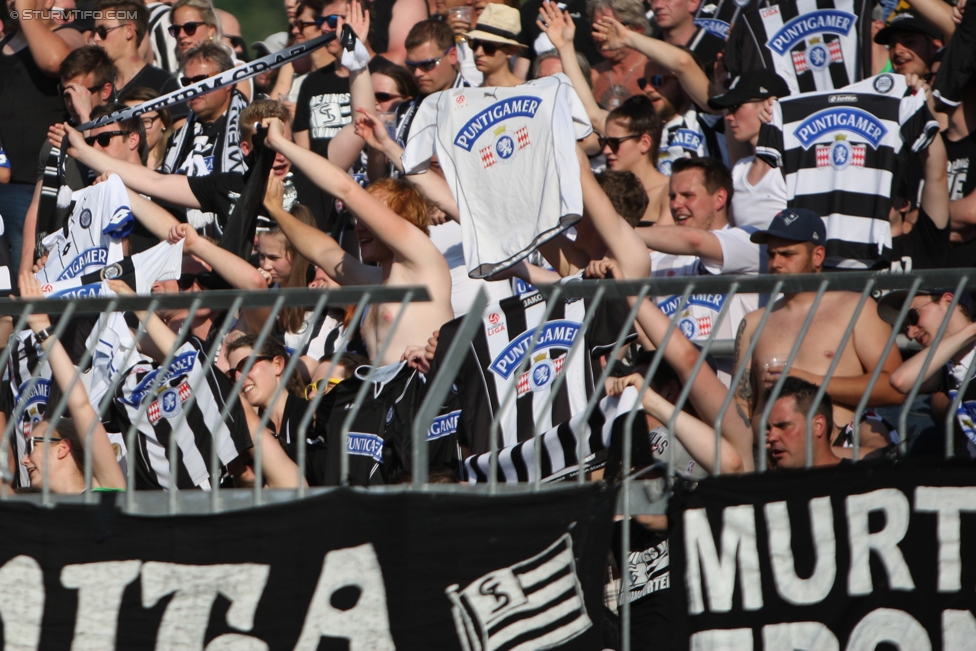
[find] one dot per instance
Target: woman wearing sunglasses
(266, 388)
(56, 456)
(494, 41)
(195, 22)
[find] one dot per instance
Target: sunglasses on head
(188, 81)
(427, 64)
(234, 372)
(190, 28)
(104, 138)
(614, 143)
(202, 279)
(488, 47)
(386, 97)
(102, 31)
(655, 81)
(90, 89)
(332, 21)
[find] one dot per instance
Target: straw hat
(498, 24)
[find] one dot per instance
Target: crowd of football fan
(723, 142)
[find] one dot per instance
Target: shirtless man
(403, 251)
(794, 246)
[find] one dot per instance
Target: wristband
(42, 336)
(355, 57)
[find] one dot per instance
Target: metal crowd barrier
(636, 497)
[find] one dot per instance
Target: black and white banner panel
(346, 570)
(225, 78)
(855, 558)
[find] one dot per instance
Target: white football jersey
(509, 156)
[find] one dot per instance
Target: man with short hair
(210, 141)
(702, 242)
(618, 75)
(675, 21)
(794, 245)
(120, 30)
(786, 429)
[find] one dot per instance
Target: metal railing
(636, 495)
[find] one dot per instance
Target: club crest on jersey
(555, 334)
(817, 56)
(35, 403)
(686, 139)
(842, 118)
(94, 257)
(110, 272)
(884, 83)
(521, 106)
(444, 425)
(85, 218)
(181, 365)
(169, 404)
(825, 21)
(366, 445)
(541, 375)
(841, 154)
(714, 26)
(504, 146)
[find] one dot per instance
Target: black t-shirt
(29, 104)
(583, 41)
(324, 106)
(960, 153)
(707, 47)
(160, 81)
(923, 247)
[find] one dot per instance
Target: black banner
(346, 570)
(858, 557)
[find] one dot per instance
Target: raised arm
(315, 245)
(408, 243)
(345, 147)
(905, 376)
(696, 437)
(561, 30)
(105, 467)
(683, 240)
(174, 188)
(47, 47)
(622, 241)
(611, 34)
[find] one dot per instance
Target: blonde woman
(194, 22)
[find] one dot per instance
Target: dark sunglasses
(233, 373)
(614, 143)
(91, 89)
(427, 64)
(332, 20)
(188, 81)
(302, 24)
(656, 81)
(34, 440)
(190, 28)
(386, 97)
(488, 47)
(202, 279)
(102, 31)
(911, 318)
(104, 138)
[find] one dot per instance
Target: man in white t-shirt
(760, 194)
(702, 242)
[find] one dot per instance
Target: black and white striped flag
(535, 604)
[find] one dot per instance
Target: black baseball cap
(906, 21)
(795, 224)
(749, 86)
